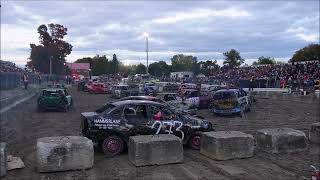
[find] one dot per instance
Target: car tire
(195, 141)
(112, 146)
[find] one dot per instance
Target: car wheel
(195, 141)
(112, 146)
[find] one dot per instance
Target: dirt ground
(22, 125)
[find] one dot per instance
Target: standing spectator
(25, 80)
(39, 79)
(251, 83)
(282, 83)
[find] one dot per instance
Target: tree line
(54, 49)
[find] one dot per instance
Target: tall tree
(98, 64)
(159, 69)
(264, 60)
(232, 58)
(308, 53)
(208, 67)
(52, 46)
(140, 69)
(114, 65)
(181, 62)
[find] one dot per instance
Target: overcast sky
(204, 29)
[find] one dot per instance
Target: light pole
(146, 35)
(50, 63)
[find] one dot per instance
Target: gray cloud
(205, 29)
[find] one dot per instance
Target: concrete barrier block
(224, 145)
(155, 149)
(314, 133)
(63, 153)
(3, 159)
(14, 163)
(279, 140)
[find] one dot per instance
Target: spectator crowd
(7, 66)
(294, 75)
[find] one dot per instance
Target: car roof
(191, 90)
(227, 90)
(122, 85)
(126, 102)
(166, 93)
(141, 97)
(52, 89)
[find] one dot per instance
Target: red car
(98, 88)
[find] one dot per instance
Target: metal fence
(260, 83)
(10, 80)
(243, 83)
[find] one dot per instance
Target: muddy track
(22, 125)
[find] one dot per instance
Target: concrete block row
(225, 145)
(74, 152)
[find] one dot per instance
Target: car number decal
(171, 124)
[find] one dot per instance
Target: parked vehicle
(81, 86)
(231, 101)
(98, 88)
(167, 96)
(212, 88)
(87, 86)
(149, 88)
(147, 98)
(54, 98)
(111, 126)
(194, 97)
(315, 173)
(125, 90)
(187, 86)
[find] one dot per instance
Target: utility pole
(50, 67)
(147, 55)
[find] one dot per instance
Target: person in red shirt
(158, 116)
(282, 83)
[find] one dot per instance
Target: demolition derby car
(124, 90)
(54, 98)
(111, 126)
(231, 101)
(98, 88)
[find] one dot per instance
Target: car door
(169, 123)
(109, 119)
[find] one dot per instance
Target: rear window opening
(224, 95)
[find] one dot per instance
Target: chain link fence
(11, 80)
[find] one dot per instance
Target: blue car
(150, 88)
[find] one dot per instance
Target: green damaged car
(54, 99)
